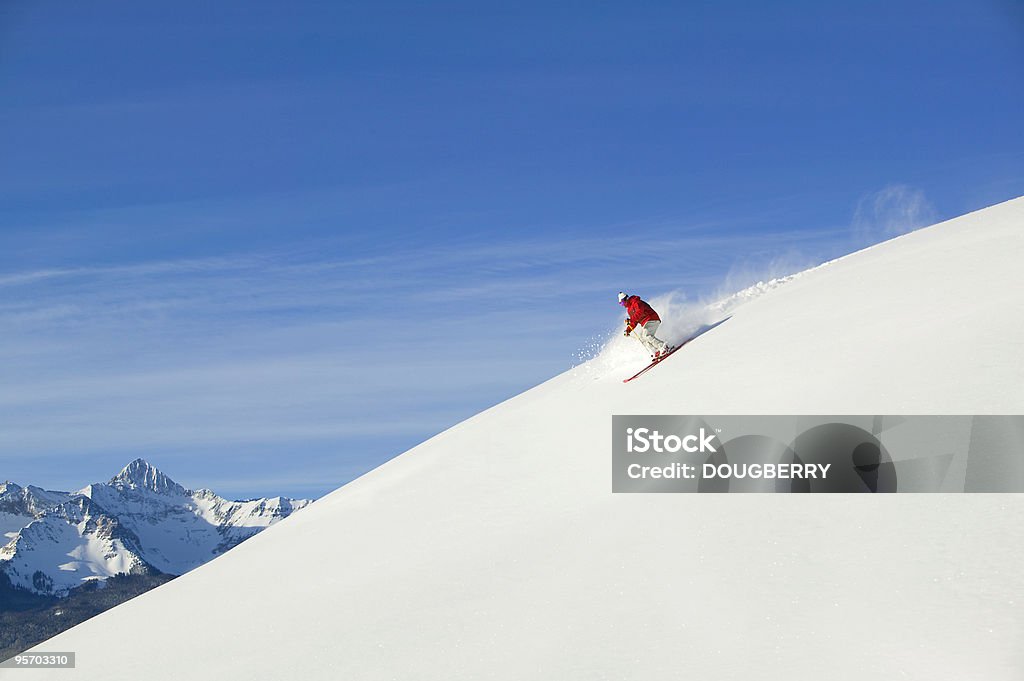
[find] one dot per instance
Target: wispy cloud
(331, 353)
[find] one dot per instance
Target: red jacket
(639, 312)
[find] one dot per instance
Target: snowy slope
(10, 523)
(496, 550)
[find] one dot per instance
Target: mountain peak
(140, 474)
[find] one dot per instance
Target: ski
(656, 362)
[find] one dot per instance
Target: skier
(645, 321)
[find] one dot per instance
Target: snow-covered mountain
(21, 505)
(496, 550)
(72, 543)
(138, 522)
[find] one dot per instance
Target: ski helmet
(622, 296)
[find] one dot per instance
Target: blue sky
(270, 245)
